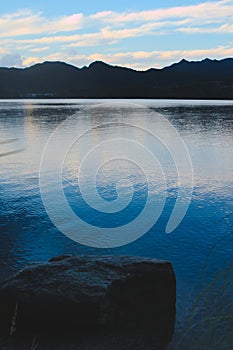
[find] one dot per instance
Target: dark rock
(92, 293)
(60, 258)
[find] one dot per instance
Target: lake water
(200, 247)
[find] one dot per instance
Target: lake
(116, 159)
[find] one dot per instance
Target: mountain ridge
(56, 79)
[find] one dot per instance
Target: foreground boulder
(87, 293)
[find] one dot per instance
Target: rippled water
(198, 248)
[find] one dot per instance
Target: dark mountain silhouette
(207, 79)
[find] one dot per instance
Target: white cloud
(34, 34)
(206, 10)
(136, 59)
(2, 50)
(27, 23)
(31, 60)
(11, 60)
(223, 29)
(159, 59)
(90, 38)
(105, 36)
(39, 49)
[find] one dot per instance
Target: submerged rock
(87, 293)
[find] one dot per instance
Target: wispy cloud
(35, 36)
(39, 49)
(137, 59)
(11, 60)
(25, 22)
(31, 60)
(208, 10)
(105, 35)
(2, 50)
(223, 29)
(158, 59)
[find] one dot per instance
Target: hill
(207, 79)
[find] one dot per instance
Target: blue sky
(137, 34)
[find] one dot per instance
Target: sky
(136, 34)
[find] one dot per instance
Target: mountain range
(207, 79)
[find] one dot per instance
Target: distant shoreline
(117, 98)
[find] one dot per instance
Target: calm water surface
(199, 248)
